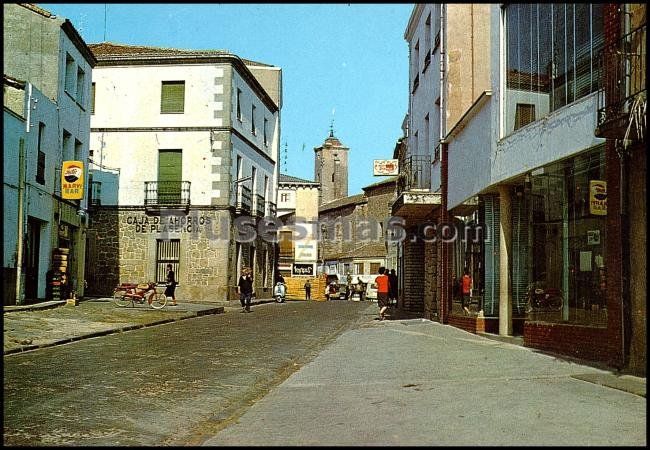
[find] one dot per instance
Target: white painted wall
(470, 158)
(561, 134)
(129, 97)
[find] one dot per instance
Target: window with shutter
(170, 171)
(172, 97)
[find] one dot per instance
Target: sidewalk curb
(26, 348)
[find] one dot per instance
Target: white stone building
(184, 146)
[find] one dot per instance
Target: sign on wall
(598, 197)
(72, 180)
(306, 250)
(385, 167)
(303, 269)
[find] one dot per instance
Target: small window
(78, 149)
(253, 129)
(239, 104)
(68, 151)
(172, 97)
(374, 268)
(92, 98)
(284, 197)
(40, 164)
(266, 123)
(524, 115)
(81, 80)
(69, 74)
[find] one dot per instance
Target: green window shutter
(170, 170)
(172, 97)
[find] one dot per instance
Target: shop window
(167, 252)
(568, 241)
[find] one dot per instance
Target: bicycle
(543, 299)
(132, 293)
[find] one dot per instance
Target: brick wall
(430, 281)
(414, 285)
(582, 342)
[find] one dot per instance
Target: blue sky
(341, 62)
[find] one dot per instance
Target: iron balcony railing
(415, 173)
(167, 194)
(271, 209)
(259, 205)
(622, 94)
(243, 202)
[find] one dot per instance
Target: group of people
(386, 290)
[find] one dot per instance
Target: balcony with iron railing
(414, 197)
(244, 200)
(271, 209)
(259, 205)
(623, 92)
(167, 194)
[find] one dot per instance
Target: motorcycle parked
(279, 292)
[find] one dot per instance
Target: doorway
(32, 257)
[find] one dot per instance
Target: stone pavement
(29, 327)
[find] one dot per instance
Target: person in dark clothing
(392, 277)
(170, 291)
(307, 290)
(245, 289)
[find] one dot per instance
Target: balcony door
(170, 172)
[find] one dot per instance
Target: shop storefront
(561, 251)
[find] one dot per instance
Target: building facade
(47, 88)
(184, 149)
(528, 160)
(298, 236)
(353, 231)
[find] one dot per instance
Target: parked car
(336, 291)
(368, 287)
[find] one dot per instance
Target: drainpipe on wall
(21, 199)
(444, 278)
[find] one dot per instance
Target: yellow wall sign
(598, 197)
(72, 180)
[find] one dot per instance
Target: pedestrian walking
(466, 285)
(245, 289)
(170, 291)
(307, 290)
(383, 288)
(392, 277)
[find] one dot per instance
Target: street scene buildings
(521, 164)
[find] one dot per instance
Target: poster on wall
(72, 180)
(598, 197)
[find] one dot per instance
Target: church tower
(331, 169)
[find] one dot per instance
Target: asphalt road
(173, 384)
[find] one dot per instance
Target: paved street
(310, 373)
(176, 383)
